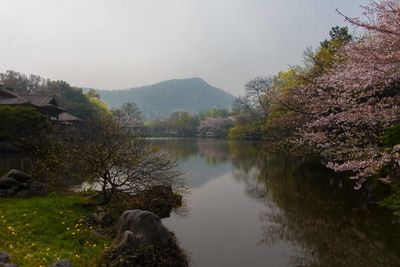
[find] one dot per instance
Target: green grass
(39, 231)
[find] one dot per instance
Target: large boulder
(136, 227)
(7, 183)
(19, 184)
(142, 240)
(20, 176)
(160, 200)
(4, 258)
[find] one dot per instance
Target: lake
(246, 207)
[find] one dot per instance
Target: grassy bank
(38, 231)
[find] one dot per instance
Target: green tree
(22, 125)
(183, 123)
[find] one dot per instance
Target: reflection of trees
(179, 148)
(213, 151)
(320, 214)
(249, 167)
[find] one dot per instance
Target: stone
(61, 263)
(19, 184)
(128, 240)
(7, 183)
(20, 176)
(160, 200)
(4, 257)
(104, 219)
(37, 189)
(136, 227)
(8, 265)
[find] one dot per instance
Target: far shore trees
(23, 126)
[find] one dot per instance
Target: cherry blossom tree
(353, 104)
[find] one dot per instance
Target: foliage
(120, 161)
(216, 127)
(393, 202)
(165, 254)
(99, 106)
(391, 137)
(129, 115)
(38, 231)
(358, 98)
(246, 131)
(214, 113)
(69, 97)
(344, 102)
(257, 99)
(252, 109)
(58, 154)
(183, 123)
(320, 62)
(22, 125)
(180, 123)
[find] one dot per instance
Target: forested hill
(164, 98)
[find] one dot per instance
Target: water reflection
(248, 208)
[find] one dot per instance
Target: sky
(117, 44)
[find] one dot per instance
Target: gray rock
(20, 176)
(104, 219)
(8, 265)
(160, 200)
(128, 240)
(4, 257)
(7, 183)
(19, 184)
(37, 189)
(61, 263)
(100, 209)
(136, 227)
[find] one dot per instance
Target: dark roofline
(47, 106)
(11, 93)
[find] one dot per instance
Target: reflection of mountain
(207, 159)
(198, 173)
(202, 160)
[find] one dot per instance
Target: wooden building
(46, 105)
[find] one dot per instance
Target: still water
(248, 208)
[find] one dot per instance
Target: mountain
(162, 99)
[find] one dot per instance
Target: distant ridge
(162, 99)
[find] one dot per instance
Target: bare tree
(129, 114)
(122, 163)
(258, 95)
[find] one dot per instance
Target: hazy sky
(114, 44)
